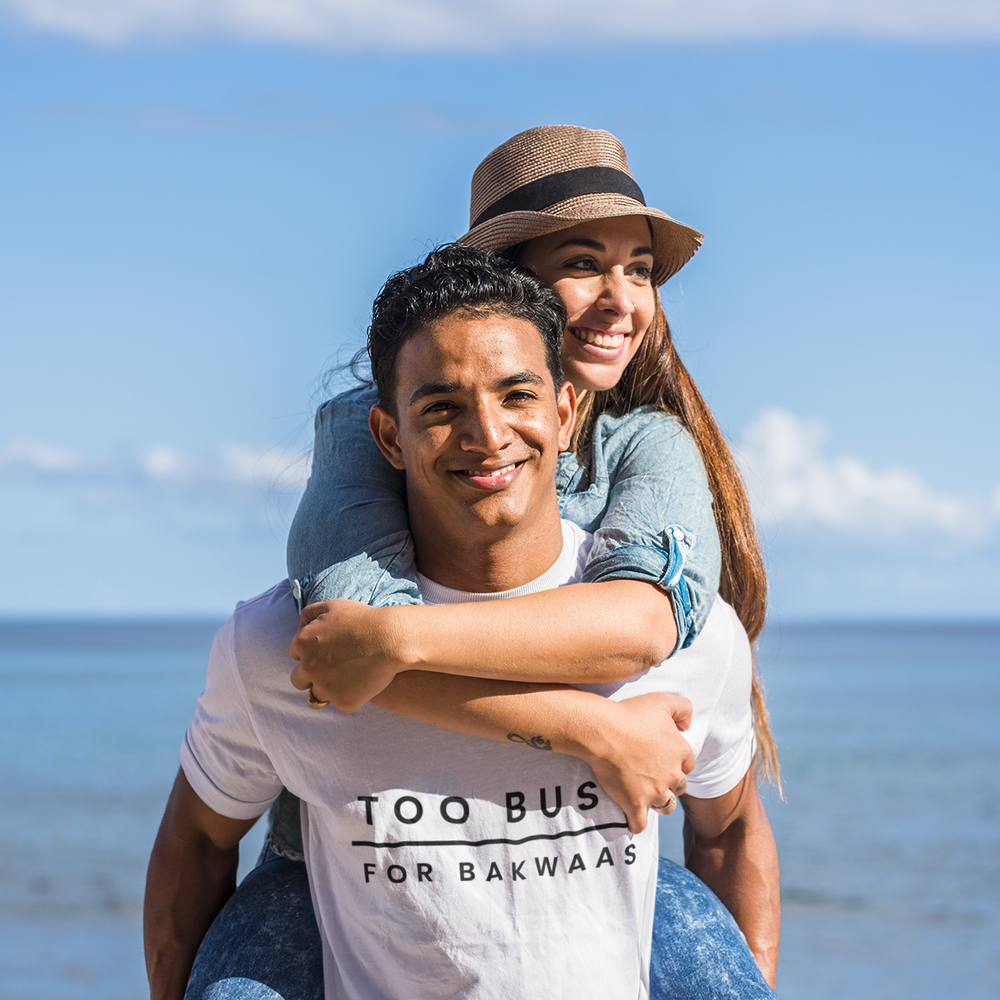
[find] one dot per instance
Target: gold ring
(313, 701)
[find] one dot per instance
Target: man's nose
(486, 430)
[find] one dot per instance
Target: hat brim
(674, 243)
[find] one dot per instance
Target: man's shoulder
(265, 622)
(721, 644)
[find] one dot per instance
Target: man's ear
(386, 434)
(566, 402)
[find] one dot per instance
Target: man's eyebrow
(434, 389)
(446, 388)
(579, 241)
(518, 378)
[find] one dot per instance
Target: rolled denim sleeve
(657, 524)
(350, 536)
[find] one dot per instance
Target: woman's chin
(593, 377)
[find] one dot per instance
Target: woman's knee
(699, 952)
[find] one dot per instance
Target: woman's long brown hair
(657, 377)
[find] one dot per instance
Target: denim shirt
(642, 492)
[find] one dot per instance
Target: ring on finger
(313, 701)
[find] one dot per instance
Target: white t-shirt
(444, 865)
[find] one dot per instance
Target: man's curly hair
(458, 279)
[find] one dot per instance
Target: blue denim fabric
(643, 493)
(350, 536)
(265, 945)
(698, 949)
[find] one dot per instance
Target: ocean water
(889, 835)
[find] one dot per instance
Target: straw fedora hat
(557, 176)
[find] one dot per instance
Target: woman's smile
(608, 346)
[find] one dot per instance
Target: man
(441, 863)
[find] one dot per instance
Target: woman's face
(602, 270)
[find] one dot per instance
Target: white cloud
(416, 25)
(31, 458)
(794, 485)
(235, 466)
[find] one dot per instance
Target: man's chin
(498, 510)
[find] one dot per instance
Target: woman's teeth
(490, 473)
(600, 339)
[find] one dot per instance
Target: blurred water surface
(889, 838)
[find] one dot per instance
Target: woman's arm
(645, 496)
(584, 633)
(633, 746)
(350, 537)
(657, 583)
(578, 634)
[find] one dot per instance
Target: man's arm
(729, 845)
(191, 874)
(633, 746)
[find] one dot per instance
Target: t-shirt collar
(564, 570)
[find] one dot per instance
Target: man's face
(480, 426)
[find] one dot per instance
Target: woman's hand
(346, 652)
(643, 757)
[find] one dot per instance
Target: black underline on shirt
(487, 843)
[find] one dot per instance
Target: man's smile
(483, 477)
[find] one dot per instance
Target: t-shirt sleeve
(730, 742)
(221, 755)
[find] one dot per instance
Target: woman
(563, 203)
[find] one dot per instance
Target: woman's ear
(386, 433)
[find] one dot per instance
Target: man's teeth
(601, 339)
(490, 473)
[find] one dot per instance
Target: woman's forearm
(582, 633)
(633, 746)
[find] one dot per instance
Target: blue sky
(193, 230)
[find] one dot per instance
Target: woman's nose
(616, 296)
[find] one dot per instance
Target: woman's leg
(698, 951)
(264, 944)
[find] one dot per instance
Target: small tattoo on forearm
(536, 742)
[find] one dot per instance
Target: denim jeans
(264, 944)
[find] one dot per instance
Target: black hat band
(536, 196)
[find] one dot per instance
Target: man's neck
(490, 560)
